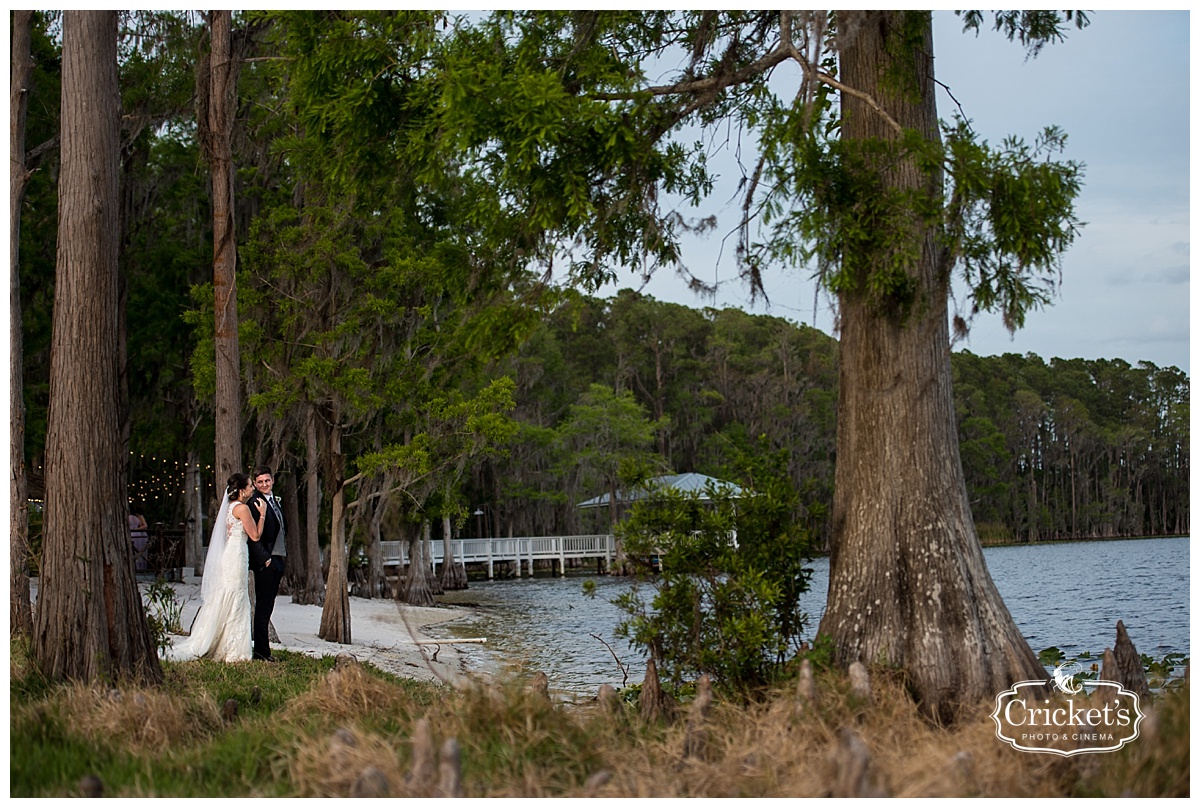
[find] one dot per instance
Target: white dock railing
(525, 549)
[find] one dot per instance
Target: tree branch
(34, 155)
(825, 78)
(712, 85)
(709, 85)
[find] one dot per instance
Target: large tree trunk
(432, 580)
(19, 612)
(193, 509)
(90, 623)
(454, 574)
(295, 566)
(415, 590)
(217, 132)
(313, 591)
(376, 584)
(335, 615)
(908, 586)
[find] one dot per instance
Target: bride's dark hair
(236, 483)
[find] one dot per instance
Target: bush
(163, 613)
(726, 574)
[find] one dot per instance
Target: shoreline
(383, 632)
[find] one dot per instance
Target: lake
(1068, 594)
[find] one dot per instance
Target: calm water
(1069, 595)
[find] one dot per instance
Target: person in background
(139, 536)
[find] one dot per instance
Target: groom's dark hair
(261, 470)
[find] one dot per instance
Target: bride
(221, 630)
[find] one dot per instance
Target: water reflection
(1069, 595)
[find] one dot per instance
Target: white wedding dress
(221, 630)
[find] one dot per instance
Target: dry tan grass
(347, 763)
(348, 692)
(145, 720)
(354, 736)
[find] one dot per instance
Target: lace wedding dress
(221, 630)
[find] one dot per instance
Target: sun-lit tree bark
(90, 623)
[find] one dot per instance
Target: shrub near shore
(312, 727)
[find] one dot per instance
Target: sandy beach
(385, 633)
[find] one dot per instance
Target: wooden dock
(518, 552)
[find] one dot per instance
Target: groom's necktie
(279, 539)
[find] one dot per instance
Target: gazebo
(691, 482)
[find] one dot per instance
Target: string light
(157, 483)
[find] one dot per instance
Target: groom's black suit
(266, 576)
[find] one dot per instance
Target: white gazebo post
(562, 558)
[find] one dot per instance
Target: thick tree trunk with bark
(335, 615)
(217, 133)
(415, 590)
(908, 586)
(20, 613)
(433, 582)
(454, 574)
(376, 584)
(313, 591)
(90, 623)
(193, 508)
(295, 567)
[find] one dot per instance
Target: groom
(268, 556)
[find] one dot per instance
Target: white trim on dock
(517, 550)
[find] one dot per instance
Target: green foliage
(163, 612)
(1161, 672)
(457, 430)
(732, 570)
(1033, 29)
(581, 141)
(821, 654)
(1011, 216)
(1051, 656)
(607, 438)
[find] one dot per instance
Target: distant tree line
(1073, 447)
(1069, 448)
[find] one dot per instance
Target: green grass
(51, 749)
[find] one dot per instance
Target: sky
(1120, 89)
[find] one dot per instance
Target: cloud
(1169, 276)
